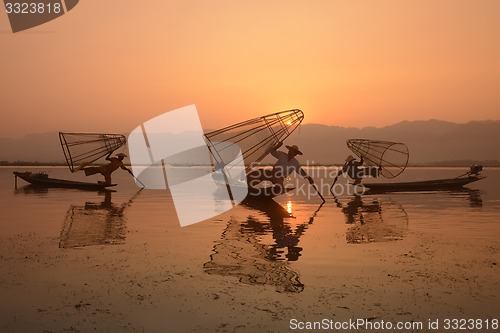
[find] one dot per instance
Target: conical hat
(294, 147)
(350, 158)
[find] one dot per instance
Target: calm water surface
(340, 258)
(279, 230)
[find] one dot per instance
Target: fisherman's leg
(364, 172)
(358, 175)
(372, 171)
(89, 171)
(107, 178)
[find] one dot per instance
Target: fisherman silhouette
(284, 166)
(107, 169)
(353, 169)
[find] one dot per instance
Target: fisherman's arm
(344, 168)
(357, 163)
(274, 151)
(125, 168)
(128, 170)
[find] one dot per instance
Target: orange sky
(111, 65)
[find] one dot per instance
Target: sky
(108, 66)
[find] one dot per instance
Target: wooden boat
(42, 180)
(426, 185)
(268, 192)
(269, 207)
(259, 193)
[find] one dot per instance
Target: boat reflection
(373, 219)
(259, 249)
(473, 196)
(95, 223)
(31, 190)
(380, 218)
(44, 191)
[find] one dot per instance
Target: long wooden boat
(268, 192)
(260, 192)
(42, 180)
(426, 185)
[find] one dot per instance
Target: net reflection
(259, 250)
(95, 223)
(373, 219)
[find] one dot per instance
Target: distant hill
(430, 142)
(42, 147)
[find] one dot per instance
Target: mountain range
(430, 142)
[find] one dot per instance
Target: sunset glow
(250, 166)
(356, 63)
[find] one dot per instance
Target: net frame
(374, 153)
(76, 159)
(274, 127)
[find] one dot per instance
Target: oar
(314, 186)
(317, 191)
(336, 178)
(142, 184)
(331, 187)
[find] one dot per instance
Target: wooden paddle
(142, 184)
(317, 191)
(331, 187)
(311, 181)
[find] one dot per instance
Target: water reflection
(44, 191)
(373, 219)
(258, 249)
(286, 240)
(95, 223)
(32, 190)
(380, 218)
(473, 196)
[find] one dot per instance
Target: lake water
(471, 211)
(288, 245)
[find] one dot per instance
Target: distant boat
(42, 180)
(426, 185)
(391, 157)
